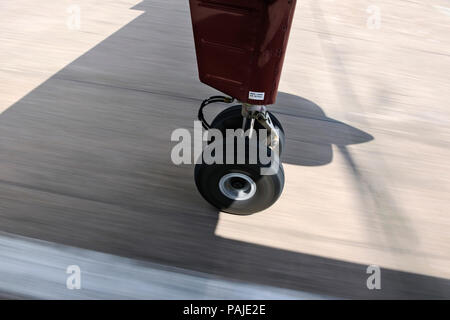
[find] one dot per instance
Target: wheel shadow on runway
(85, 161)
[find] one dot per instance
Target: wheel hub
(237, 186)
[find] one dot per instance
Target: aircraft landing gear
(244, 187)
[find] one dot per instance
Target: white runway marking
(37, 269)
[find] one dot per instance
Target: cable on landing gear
(210, 100)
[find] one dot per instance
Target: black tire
(231, 118)
(258, 192)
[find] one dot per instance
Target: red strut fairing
(241, 45)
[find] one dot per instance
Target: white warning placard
(256, 95)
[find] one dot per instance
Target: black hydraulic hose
(210, 100)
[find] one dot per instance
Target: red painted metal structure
(241, 44)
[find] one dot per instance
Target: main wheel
(238, 189)
(231, 118)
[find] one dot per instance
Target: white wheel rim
(237, 186)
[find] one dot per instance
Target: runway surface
(92, 91)
(36, 269)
